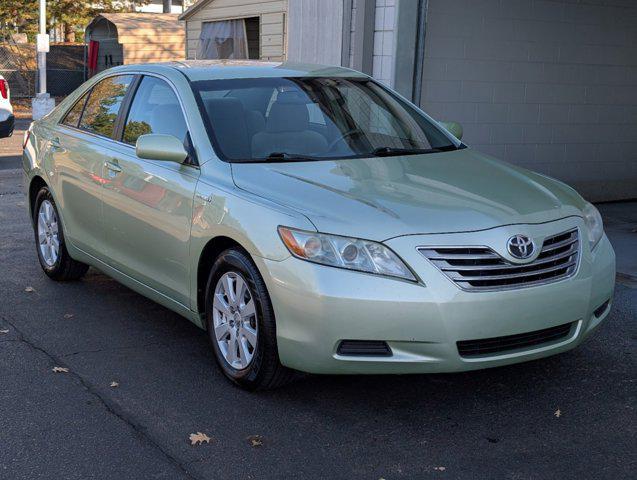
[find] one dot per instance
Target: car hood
(384, 197)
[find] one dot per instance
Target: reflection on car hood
(386, 197)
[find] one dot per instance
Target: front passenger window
(155, 109)
(103, 105)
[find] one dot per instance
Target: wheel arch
(207, 258)
(37, 182)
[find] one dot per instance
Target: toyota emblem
(520, 246)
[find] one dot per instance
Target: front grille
(359, 348)
(480, 268)
(495, 345)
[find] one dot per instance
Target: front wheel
(49, 239)
(241, 325)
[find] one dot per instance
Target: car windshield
(317, 118)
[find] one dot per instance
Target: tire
(59, 267)
(263, 370)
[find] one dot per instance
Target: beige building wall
(272, 19)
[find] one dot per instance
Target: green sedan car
(310, 219)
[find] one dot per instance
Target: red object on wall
(93, 51)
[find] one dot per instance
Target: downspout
(419, 58)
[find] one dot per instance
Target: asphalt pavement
(570, 416)
(11, 147)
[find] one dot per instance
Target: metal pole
(42, 55)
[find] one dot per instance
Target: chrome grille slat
(561, 244)
(452, 256)
(543, 261)
(479, 268)
(488, 278)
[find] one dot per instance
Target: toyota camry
(310, 219)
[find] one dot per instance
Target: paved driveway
(570, 416)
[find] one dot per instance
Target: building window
(233, 39)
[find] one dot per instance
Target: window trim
(120, 121)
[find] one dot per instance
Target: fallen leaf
(440, 469)
(60, 369)
(114, 384)
(68, 315)
(4, 331)
(558, 413)
(199, 438)
(29, 289)
(255, 440)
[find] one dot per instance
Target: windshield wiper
(389, 151)
(285, 156)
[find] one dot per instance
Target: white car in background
(7, 120)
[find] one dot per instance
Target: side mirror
(161, 147)
(454, 128)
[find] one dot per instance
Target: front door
(148, 203)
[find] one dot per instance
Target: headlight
(594, 224)
(344, 252)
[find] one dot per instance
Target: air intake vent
(480, 268)
(495, 345)
(367, 348)
(599, 311)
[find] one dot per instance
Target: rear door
(148, 203)
(77, 151)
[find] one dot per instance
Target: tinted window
(155, 109)
(103, 105)
(73, 116)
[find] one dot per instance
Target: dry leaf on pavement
(29, 289)
(558, 413)
(255, 440)
(199, 438)
(60, 369)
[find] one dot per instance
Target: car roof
(197, 70)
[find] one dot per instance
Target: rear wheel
(49, 238)
(241, 324)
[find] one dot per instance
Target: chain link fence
(18, 67)
(65, 68)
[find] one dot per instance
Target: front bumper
(316, 307)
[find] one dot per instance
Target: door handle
(55, 143)
(113, 167)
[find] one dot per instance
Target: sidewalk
(620, 223)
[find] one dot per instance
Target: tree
(19, 17)
(70, 15)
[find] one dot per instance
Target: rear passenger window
(103, 105)
(155, 109)
(72, 117)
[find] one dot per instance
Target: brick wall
(384, 24)
(548, 85)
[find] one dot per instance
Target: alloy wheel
(48, 233)
(235, 320)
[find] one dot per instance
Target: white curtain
(224, 39)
